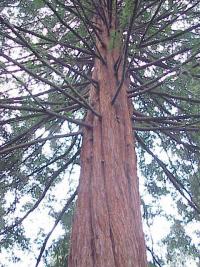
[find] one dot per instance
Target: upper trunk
(107, 228)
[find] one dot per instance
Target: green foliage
(127, 9)
(38, 3)
(179, 246)
(115, 40)
(58, 252)
(151, 265)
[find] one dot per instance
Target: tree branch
(176, 183)
(48, 185)
(9, 149)
(54, 226)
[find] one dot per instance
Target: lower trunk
(107, 228)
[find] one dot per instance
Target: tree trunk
(107, 228)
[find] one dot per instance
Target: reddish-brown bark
(107, 228)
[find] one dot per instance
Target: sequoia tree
(86, 83)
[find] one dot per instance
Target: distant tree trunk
(107, 228)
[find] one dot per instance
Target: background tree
(49, 53)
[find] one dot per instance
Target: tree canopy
(47, 54)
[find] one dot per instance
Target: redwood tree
(107, 229)
(97, 77)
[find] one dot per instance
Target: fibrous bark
(107, 228)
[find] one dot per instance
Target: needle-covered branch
(38, 140)
(176, 183)
(48, 184)
(59, 217)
